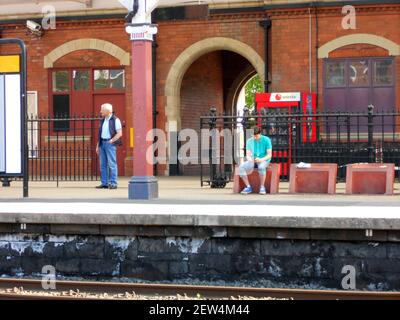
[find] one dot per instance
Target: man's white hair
(107, 106)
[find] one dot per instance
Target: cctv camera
(33, 26)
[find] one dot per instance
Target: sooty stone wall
(205, 257)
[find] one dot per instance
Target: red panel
(370, 178)
(318, 178)
(271, 179)
(309, 106)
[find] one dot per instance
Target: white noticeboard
(13, 124)
(11, 151)
(2, 127)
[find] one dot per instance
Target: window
(383, 72)
(81, 80)
(359, 73)
(60, 81)
(61, 111)
(109, 79)
(351, 84)
(335, 74)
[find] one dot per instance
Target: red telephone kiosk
(285, 131)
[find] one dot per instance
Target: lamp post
(143, 184)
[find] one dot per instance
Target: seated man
(258, 154)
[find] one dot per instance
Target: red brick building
(204, 56)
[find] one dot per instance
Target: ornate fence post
(212, 125)
(371, 151)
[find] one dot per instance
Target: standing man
(258, 154)
(110, 133)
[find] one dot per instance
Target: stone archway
(185, 60)
(82, 44)
(365, 38)
(236, 87)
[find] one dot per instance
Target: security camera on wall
(34, 28)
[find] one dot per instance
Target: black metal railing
(63, 148)
(341, 138)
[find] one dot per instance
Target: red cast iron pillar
(143, 185)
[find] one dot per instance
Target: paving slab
(183, 202)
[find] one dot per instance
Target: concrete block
(31, 265)
(67, 266)
(4, 249)
(393, 251)
(385, 266)
(371, 178)
(271, 181)
(285, 248)
(198, 232)
(321, 249)
(359, 250)
(206, 264)
(393, 236)
(92, 267)
(87, 250)
(146, 270)
(247, 232)
(120, 248)
(143, 188)
(268, 233)
(75, 229)
(290, 268)
(235, 246)
(247, 264)
(111, 230)
(31, 228)
(347, 235)
(319, 178)
(150, 231)
(153, 245)
(188, 245)
(179, 268)
(8, 264)
(7, 227)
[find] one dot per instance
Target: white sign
(144, 32)
(2, 127)
(13, 124)
(10, 124)
(285, 96)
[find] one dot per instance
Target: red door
(118, 103)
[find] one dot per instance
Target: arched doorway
(206, 74)
(83, 74)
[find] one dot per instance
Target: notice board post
(13, 115)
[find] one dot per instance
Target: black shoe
(102, 186)
(112, 186)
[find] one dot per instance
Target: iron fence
(341, 138)
(63, 148)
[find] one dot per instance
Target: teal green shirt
(259, 147)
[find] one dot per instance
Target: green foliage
(251, 88)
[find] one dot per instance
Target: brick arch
(236, 87)
(191, 54)
(84, 44)
(185, 60)
(392, 47)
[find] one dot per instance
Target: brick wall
(289, 58)
(201, 89)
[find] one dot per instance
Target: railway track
(73, 290)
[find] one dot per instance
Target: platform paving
(183, 202)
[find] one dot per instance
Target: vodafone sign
(285, 96)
